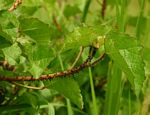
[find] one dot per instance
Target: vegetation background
(102, 44)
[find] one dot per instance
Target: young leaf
(12, 53)
(71, 10)
(84, 36)
(27, 11)
(125, 51)
(67, 87)
(39, 57)
(36, 29)
(8, 21)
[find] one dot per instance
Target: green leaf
(146, 58)
(31, 98)
(8, 20)
(5, 40)
(10, 109)
(35, 70)
(67, 87)
(71, 10)
(125, 51)
(12, 53)
(28, 10)
(84, 36)
(39, 58)
(146, 54)
(133, 21)
(36, 30)
(5, 3)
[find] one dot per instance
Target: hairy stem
(65, 73)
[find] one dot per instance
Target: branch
(103, 10)
(58, 26)
(15, 5)
(66, 73)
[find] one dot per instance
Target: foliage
(41, 38)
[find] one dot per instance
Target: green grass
(95, 109)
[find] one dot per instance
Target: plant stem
(114, 90)
(141, 3)
(78, 56)
(139, 106)
(122, 15)
(93, 92)
(85, 11)
(69, 108)
(61, 63)
(29, 87)
(140, 18)
(129, 97)
(117, 12)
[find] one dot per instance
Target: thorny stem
(65, 73)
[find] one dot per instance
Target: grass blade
(85, 11)
(114, 90)
(93, 93)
